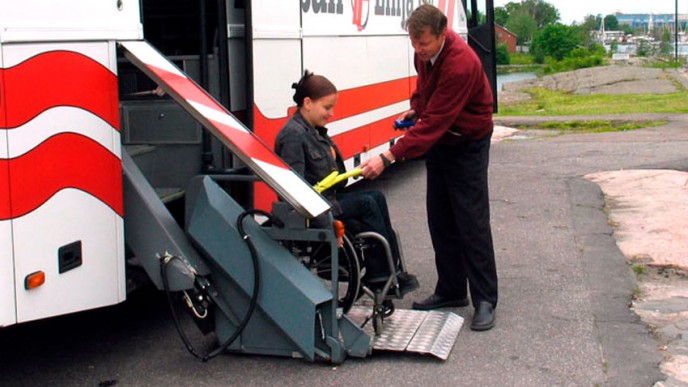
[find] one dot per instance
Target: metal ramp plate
(433, 332)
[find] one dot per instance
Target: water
(513, 77)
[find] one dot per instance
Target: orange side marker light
(34, 280)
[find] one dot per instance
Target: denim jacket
(308, 151)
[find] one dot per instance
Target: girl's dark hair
(312, 86)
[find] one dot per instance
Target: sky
(576, 10)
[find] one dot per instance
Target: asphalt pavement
(565, 289)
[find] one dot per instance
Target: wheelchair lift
(238, 278)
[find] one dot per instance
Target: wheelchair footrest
(429, 332)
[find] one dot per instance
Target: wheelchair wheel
(349, 274)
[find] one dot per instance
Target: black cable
(256, 282)
(166, 287)
(254, 296)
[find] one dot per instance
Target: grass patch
(639, 269)
(555, 103)
(521, 59)
(670, 63)
(636, 294)
(525, 68)
(593, 126)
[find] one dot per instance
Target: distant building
(648, 21)
(506, 37)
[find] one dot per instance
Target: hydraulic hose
(254, 296)
(166, 286)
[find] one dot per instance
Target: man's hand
(407, 115)
(374, 166)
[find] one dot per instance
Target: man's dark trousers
(459, 220)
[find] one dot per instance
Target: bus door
(481, 37)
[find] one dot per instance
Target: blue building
(654, 21)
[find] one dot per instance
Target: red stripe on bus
(352, 142)
(5, 209)
(351, 102)
(370, 97)
(57, 78)
(63, 161)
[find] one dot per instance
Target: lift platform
(263, 299)
(425, 332)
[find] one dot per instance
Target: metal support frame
(295, 230)
(296, 315)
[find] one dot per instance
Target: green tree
(541, 11)
(591, 22)
(585, 31)
(611, 23)
(501, 16)
(556, 41)
(665, 46)
(527, 16)
(628, 30)
(523, 26)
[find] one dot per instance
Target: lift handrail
(334, 178)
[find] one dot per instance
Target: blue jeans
(367, 211)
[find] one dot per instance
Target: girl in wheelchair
(303, 143)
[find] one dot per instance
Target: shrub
(521, 59)
(572, 63)
(555, 40)
(502, 55)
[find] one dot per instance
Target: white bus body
(61, 140)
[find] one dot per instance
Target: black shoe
(484, 317)
(436, 301)
(407, 282)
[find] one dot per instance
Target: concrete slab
(648, 210)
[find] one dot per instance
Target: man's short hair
(426, 15)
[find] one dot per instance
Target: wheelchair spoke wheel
(349, 273)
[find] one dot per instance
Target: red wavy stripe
(351, 102)
(4, 190)
(67, 160)
(57, 78)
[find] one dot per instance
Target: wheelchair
(355, 249)
(352, 255)
(382, 296)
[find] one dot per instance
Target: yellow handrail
(334, 178)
